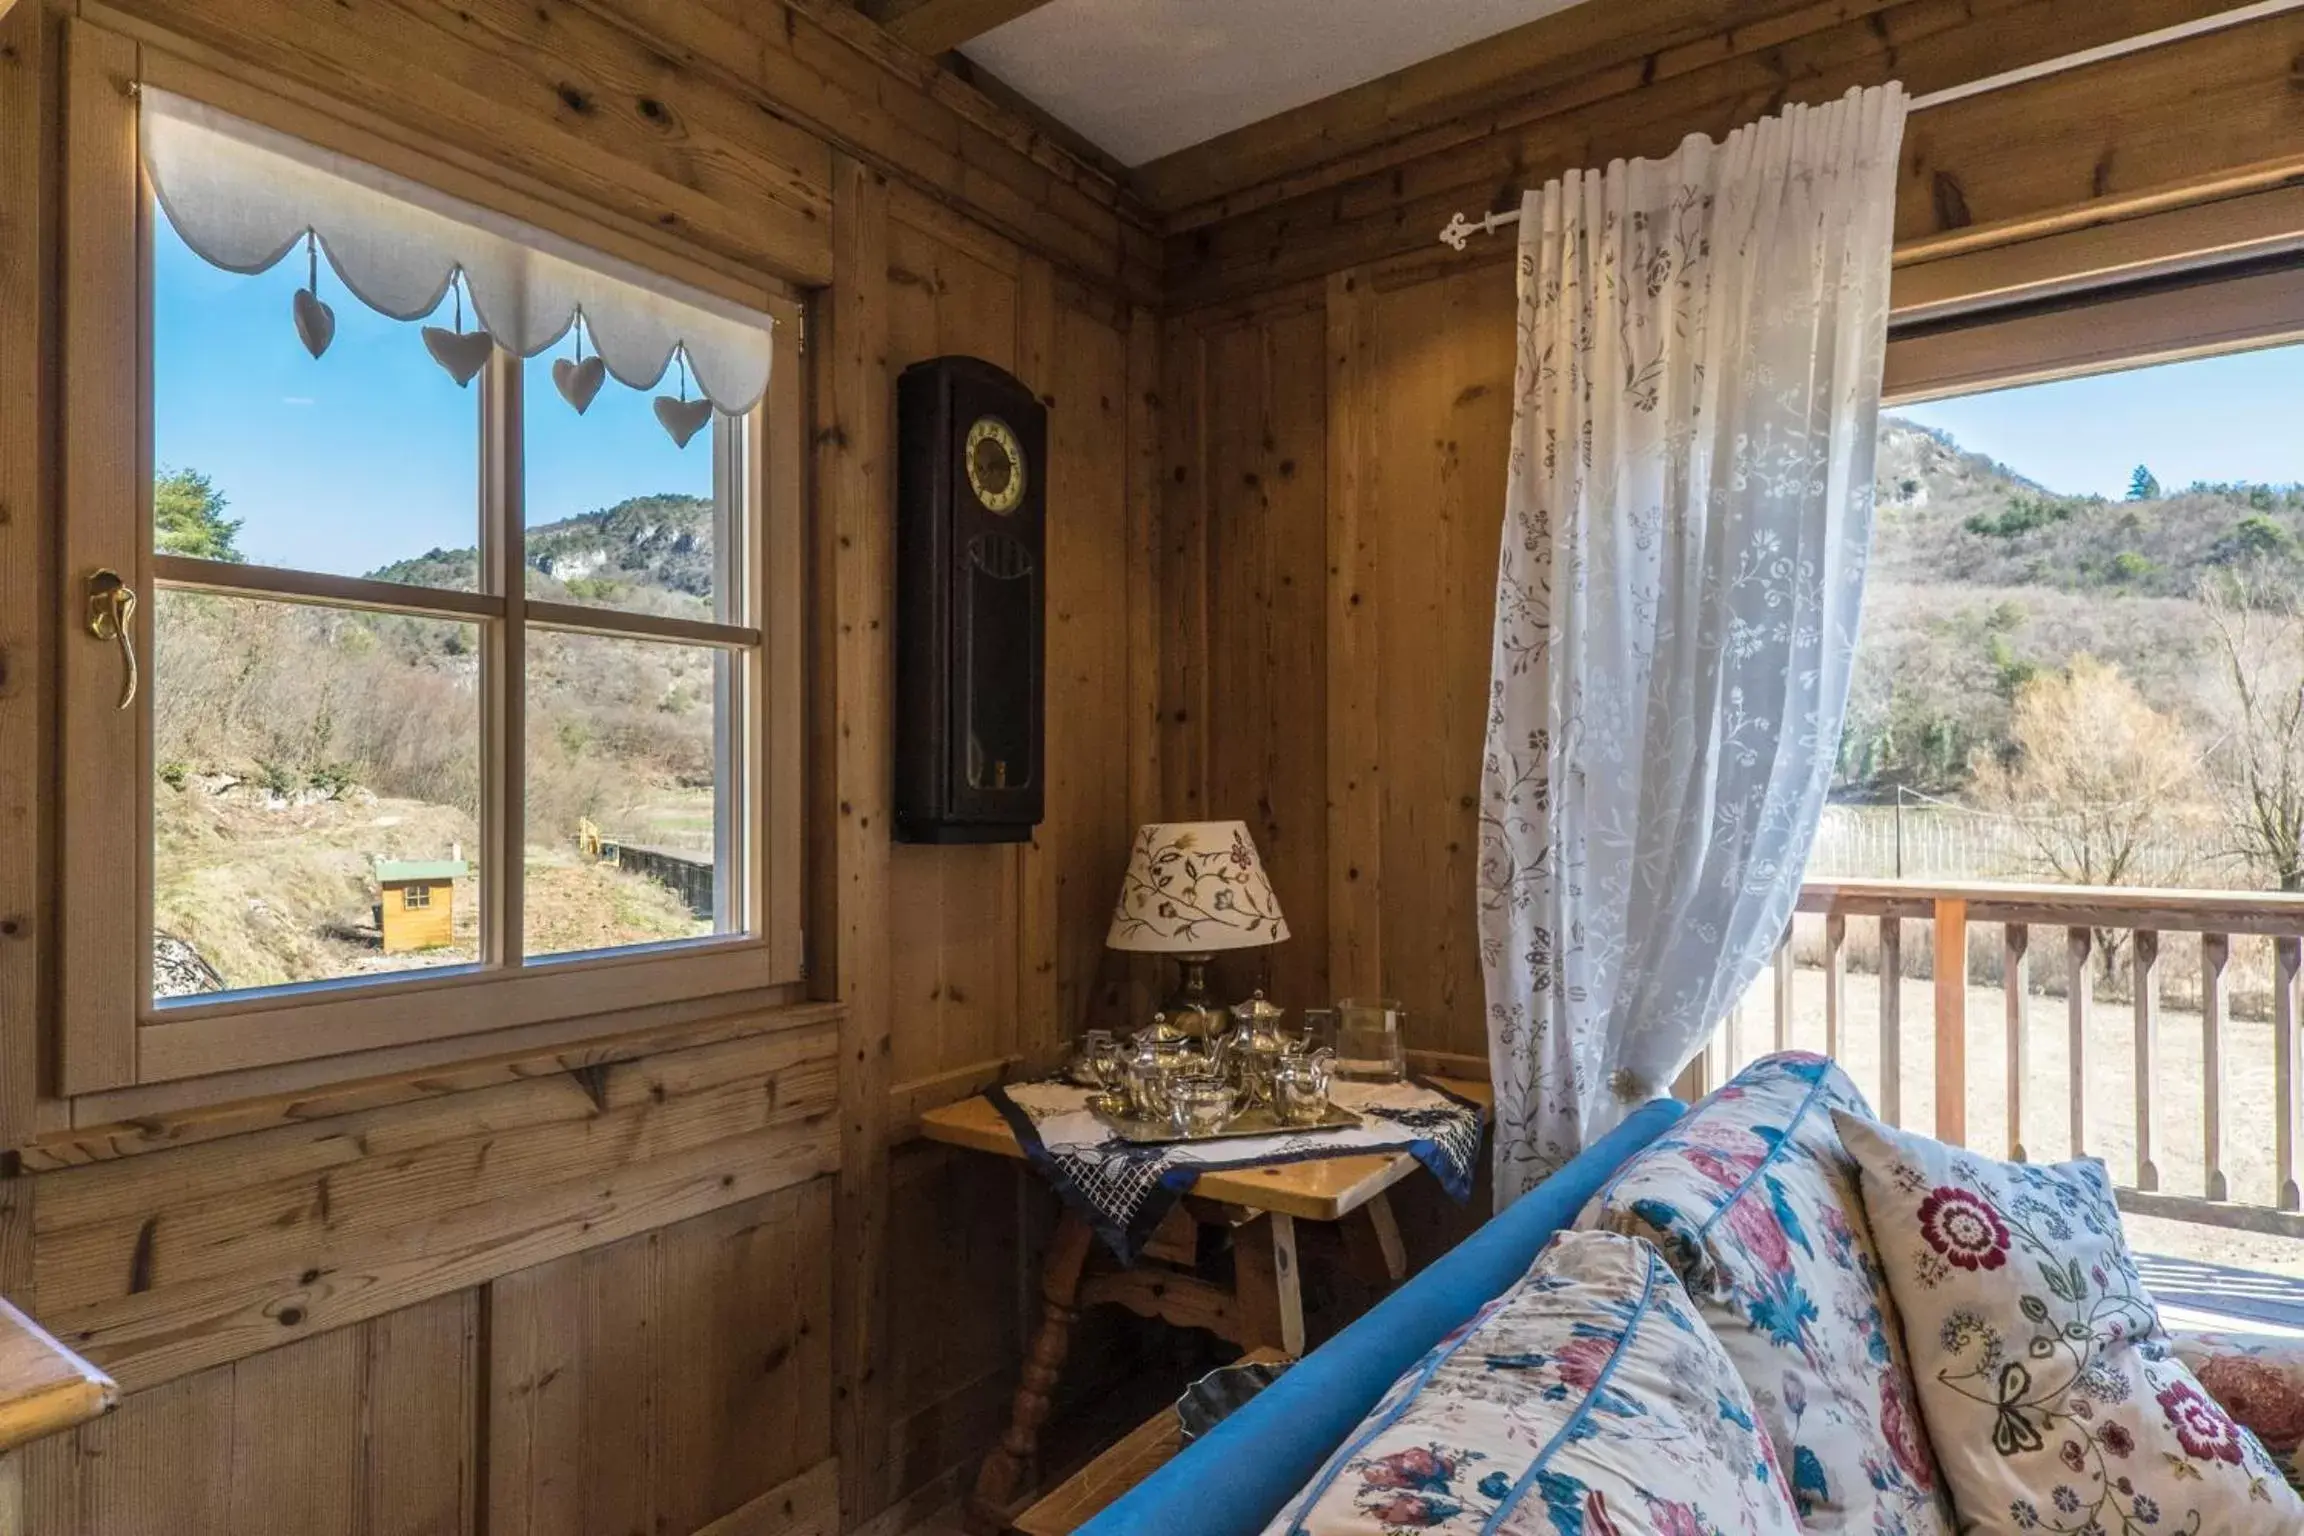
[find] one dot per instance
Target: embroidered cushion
(2259, 1380)
(1756, 1205)
(2054, 1400)
(1588, 1398)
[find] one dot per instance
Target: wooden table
(1262, 1308)
(44, 1387)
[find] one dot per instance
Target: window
(462, 555)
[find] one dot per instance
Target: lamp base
(1189, 1009)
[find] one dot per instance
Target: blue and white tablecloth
(1126, 1191)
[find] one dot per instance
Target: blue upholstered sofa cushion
(1586, 1398)
(1234, 1479)
(1754, 1202)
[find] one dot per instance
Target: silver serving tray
(1248, 1122)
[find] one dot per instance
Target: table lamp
(1192, 888)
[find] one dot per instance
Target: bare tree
(2257, 771)
(2100, 784)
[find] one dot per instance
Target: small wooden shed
(418, 909)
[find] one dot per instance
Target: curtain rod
(1459, 229)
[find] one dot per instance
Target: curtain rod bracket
(1461, 229)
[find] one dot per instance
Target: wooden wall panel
(1266, 467)
(168, 1262)
(660, 1383)
(1439, 434)
(855, 578)
(995, 956)
(28, 108)
(365, 1431)
(952, 910)
(1354, 451)
(551, 91)
(2191, 111)
(959, 1257)
(1094, 734)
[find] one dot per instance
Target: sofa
(1692, 1327)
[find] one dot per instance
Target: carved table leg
(1010, 1466)
(1372, 1242)
(1265, 1278)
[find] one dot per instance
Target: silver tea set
(1257, 1077)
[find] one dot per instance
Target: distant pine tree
(2143, 486)
(188, 517)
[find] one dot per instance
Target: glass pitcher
(1368, 1047)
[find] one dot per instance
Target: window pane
(361, 462)
(618, 515)
(628, 829)
(316, 804)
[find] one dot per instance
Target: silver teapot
(1155, 1058)
(1253, 1046)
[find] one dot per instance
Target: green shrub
(277, 778)
(2023, 514)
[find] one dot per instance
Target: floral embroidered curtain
(244, 196)
(1688, 512)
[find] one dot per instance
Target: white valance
(243, 195)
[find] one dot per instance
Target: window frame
(113, 1033)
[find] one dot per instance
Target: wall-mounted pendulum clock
(971, 580)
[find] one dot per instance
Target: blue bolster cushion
(1234, 1479)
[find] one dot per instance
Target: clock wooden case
(971, 548)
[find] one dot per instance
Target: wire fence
(1937, 840)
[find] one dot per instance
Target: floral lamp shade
(1194, 887)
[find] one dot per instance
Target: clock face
(995, 465)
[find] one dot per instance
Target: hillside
(652, 553)
(1982, 579)
(1947, 515)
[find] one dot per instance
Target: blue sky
(2236, 417)
(368, 454)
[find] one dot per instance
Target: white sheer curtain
(1688, 512)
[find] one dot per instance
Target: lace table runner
(1126, 1191)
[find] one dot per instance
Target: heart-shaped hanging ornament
(462, 353)
(683, 419)
(315, 321)
(577, 381)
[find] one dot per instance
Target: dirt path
(2111, 1066)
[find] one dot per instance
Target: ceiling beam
(934, 26)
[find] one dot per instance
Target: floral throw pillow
(2052, 1395)
(2259, 1380)
(1587, 1400)
(1756, 1205)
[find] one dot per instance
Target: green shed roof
(404, 871)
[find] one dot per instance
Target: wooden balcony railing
(2087, 940)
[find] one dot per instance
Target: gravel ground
(2111, 1074)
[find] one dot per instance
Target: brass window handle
(111, 615)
